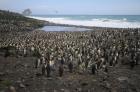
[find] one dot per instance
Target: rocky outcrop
(27, 12)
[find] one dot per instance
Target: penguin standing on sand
(48, 68)
(137, 58)
(132, 62)
(61, 70)
(37, 63)
(70, 65)
(43, 69)
(93, 69)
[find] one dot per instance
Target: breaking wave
(101, 22)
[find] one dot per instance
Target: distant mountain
(27, 12)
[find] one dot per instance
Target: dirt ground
(19, 75)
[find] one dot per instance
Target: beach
(102, 59)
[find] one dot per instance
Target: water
(114, 21)
(63, 28)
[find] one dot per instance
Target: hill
(10, 21)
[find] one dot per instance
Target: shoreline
(101, 22)
(48, 23)
(87, 27)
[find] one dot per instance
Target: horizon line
(87, 14)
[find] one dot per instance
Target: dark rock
(26, 12)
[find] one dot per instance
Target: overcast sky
(94, 7)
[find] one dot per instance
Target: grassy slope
(10, 21)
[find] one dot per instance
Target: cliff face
(27, 12)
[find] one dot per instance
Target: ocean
(113, 21)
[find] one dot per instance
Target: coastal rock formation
(27, 12)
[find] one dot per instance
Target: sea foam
(101, 22)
